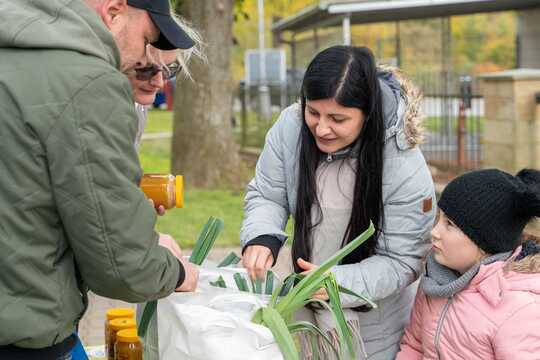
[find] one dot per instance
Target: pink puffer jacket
(496, 317)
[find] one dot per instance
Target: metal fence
(454, 120)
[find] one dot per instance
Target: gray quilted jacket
(389, 276)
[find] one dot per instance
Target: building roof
(327, 14)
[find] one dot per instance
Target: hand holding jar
(164, 191)
(159, 209)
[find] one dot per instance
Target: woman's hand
(308, 267)
(257, 259)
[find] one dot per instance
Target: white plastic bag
(214, 323)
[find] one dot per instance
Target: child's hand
(320, 294)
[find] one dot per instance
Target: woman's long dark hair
(349, 76)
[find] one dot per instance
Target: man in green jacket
(71, 214)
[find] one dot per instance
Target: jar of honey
(164, 189)
(115, 326)
(128, 345)
(116, 313)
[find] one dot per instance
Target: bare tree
(203, 147)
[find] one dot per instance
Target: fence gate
(454, 120)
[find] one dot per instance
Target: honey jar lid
(122, 323)
(179, 191)
(120, 313)
(127, 335)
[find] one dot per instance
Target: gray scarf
(442, 282)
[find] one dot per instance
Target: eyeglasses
(148, 72)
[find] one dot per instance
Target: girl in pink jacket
(480, 295)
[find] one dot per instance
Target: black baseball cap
(171, 36)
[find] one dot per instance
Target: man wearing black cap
(72, 217)
(134, 20)
(171, 35)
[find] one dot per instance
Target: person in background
(163, 66)
(480, 296)
(146, 81)
(72, 216)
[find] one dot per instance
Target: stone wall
(512, 126)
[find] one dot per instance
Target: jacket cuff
(342, 273)
(271, 242)
(181, 274)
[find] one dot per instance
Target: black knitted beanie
(492, 207)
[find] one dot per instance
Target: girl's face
(452, 248)
(333, 126)
(144, 91)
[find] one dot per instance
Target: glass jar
(128, 345)
(115, 326)
(116, 313)
(164, 189)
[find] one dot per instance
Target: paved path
(157, 136)
(91, 326)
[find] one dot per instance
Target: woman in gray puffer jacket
(347, 154)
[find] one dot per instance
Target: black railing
(454, 121)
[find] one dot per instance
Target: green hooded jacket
(69, 175)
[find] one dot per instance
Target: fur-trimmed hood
(408, 98)
(528, 265)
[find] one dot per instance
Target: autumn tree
(203, 146)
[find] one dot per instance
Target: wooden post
(461, 132)
(243, 114)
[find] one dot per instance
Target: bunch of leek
(295, 293)
(278, 315)
(231, 259)
(242, 285)
(206, 240)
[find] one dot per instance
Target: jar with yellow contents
(164, 190)
(117, 325)
(128, 345)
(112, 314)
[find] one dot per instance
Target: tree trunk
(203, 147)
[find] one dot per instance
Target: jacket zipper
(329, 158)
(439, 326)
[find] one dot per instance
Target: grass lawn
(256, 129)
(159, 121)
(199, 204)
(186, 223)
